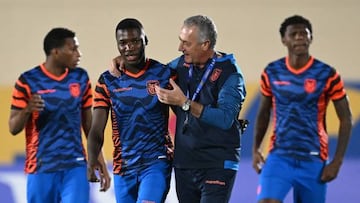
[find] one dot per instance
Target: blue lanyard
(209, 69)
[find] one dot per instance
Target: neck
(204, 59)
(54, 68)
(298, 61)
(135, 68)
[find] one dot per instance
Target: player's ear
(283, 41)
(54, 51)
(146, 40)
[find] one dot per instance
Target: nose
(299, 36)
(79, 54)
(129, 46)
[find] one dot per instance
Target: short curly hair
(292, 20)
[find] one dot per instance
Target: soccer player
(141, 166)
(297, 89)
(52, 101)
(207, 98)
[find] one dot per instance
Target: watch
(186, 105)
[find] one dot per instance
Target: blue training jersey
(300, 98)
(139, 120)
(53, 136)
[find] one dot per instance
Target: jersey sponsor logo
(150, 86)
(215, 74)
(74, 89)
(46, 91)
(278, 82)
(123, 89)
(310, 85)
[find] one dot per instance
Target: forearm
(230, 99)
(101, 158)
(18, 120)
(196, 109)
(225, 116)
(343, 112)
(94, 145)
(342, 142)
(86, 121)
(262, 122)
(260, 131)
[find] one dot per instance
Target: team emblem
(74, 89)
(150, 86)
(215, 74)
(310, 85)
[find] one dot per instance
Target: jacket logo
(310, 85)
(150, 86)
(74, 89)
(215, 74)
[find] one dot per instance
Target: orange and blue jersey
(53, 136)
(299, 99)
(139, 120)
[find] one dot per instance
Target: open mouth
(131, 57)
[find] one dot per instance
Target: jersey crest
(310, 85)
(150, 85)
(74, 89)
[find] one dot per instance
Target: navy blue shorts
(211, 185)
(279, 174)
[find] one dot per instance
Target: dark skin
(297, 39)
(57, 63)
(131, 45)
(195, 52)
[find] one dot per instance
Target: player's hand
(105, 179)
(258, 161)
(91, 175)
(330, 172)
(36, 103)
(169, 147)
(170, 153)
(117, 66)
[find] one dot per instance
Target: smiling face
(131, 45)
(194, 50)
(297, 39)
